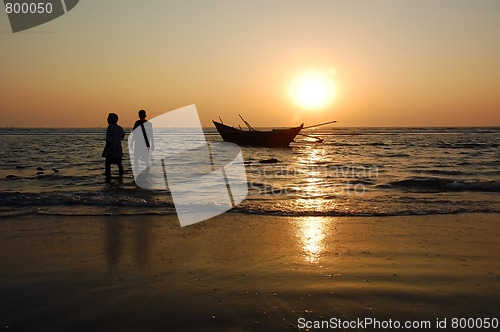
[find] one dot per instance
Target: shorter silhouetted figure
(142, 140)
(113, 150)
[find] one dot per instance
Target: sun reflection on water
(312, 182)
(311, 232)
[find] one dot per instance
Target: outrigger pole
(317, 125)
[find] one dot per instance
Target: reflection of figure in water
(113, 246)
(142, 140)
(113, 150)
(118, 242)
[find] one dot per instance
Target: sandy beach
(244, 272)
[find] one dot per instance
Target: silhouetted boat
(275, 138)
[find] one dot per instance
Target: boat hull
(276, 138)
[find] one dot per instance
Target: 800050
(471, 323)
(28, 8)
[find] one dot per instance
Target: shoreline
(245, 272)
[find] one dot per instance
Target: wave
(402, 212)
(100, 211)
(444, 185)
(115, 203)
(85, 198)
(439, 172)
(473, 146)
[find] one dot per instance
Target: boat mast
(248, 125)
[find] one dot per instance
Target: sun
(313, 90)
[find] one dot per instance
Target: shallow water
(355, 171)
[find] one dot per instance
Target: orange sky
(394, 63)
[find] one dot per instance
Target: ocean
(353, 172)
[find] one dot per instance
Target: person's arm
(108, 140)
(132, 140)
(109, 136)
(151, 136)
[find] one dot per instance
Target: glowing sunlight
(313, 90)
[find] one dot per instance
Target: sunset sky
(388, 63)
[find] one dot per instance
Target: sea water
(353, 172)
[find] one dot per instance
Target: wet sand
(244, 272)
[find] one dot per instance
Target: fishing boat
(275, 138)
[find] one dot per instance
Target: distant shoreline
(256, 127)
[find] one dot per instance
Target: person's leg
(146, 158)
(107, 168)
(120, 168)
(136, 161)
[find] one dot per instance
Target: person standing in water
(142, 140)
(113, 150)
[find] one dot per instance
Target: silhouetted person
(142, 140)
(113, 149)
